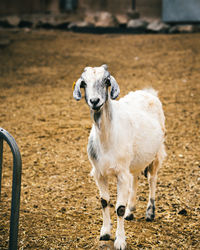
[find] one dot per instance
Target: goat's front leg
(123, 185)
(132, 198)
(102, 184)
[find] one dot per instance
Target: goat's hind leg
(102, 184)
(152, 171)
(152, 179)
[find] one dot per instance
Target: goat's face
(95, 82)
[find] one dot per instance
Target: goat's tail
(151, 91)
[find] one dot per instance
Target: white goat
(127, 137)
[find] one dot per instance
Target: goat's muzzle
(95, 104)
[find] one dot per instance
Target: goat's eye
(83, 84)
(107, 82)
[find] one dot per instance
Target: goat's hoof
(105, 237)
(150, 213)
(120, 243)
(151, 218)
(129, 217)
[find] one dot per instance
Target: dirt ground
(60, 205)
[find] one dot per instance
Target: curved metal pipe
(16, 185)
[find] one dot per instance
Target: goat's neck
(103, 122)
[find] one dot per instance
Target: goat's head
(96, 82)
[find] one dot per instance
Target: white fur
(128, 136)
(133, 137)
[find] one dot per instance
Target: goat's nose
(94, 101)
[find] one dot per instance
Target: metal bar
(1, 161)
(133, 4)
(16, 188)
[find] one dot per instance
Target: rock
(79, 24)
(13, 21)
(106, 19)
(91, 18)
(121, 19)
(158, 26)
(182, 29)
(101, 19)
(9, 21)
(27, 30)
(137, 24)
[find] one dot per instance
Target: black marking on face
(92, 150)
(106, 93)
(102, 91)
(86, 98)
(104, 203)
(107, 82)
(97, 116)
(121, 211)
(83, 84)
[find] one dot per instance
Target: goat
(127, 137)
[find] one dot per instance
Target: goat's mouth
(97, 108)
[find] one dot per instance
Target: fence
(16, 185)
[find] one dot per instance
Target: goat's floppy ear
(77, 90)
(114, 88)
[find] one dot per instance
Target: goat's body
(127, 136)
(133, 142)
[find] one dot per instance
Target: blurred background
(145, 15)
(145, 7)
(42, 52)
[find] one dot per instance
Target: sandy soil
(60, 206)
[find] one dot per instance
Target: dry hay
(60, 206)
